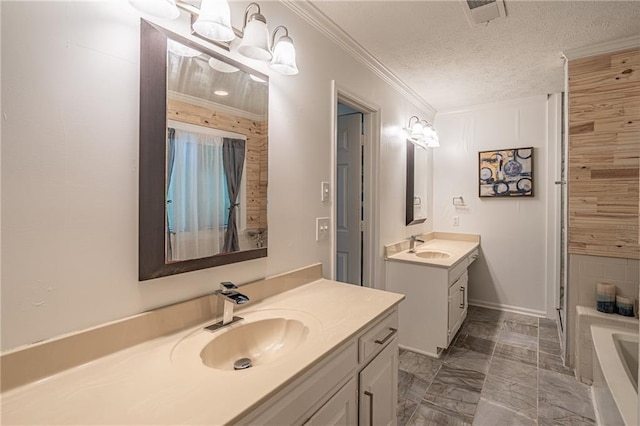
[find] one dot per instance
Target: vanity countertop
(149, 384)
(457, 246)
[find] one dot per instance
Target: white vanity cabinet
(435, 305)
(341, 388)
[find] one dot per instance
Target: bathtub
(615, 375)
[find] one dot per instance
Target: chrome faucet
(412, 243)
(227, 292)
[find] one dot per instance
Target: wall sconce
(421, 133)
(214, 24)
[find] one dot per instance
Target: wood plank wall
(604, 154)
(257, 151)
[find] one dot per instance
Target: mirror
(417, 184)
(203, 157)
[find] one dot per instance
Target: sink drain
(242, 364)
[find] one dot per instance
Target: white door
(379, 388)
(349, 199)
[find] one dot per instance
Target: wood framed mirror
(203, 157)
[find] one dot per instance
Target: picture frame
(506, 173)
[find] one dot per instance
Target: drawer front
(374, 340)
(457, 271)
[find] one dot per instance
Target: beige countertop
(163, 381)
(457, 246)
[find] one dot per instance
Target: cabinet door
(454, 309)
(341, 409)
(379, 388)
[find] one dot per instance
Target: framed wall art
(506, 172)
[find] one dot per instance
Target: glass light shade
(255, 43)
(222, 66)
(165, 9)
(417, 131)
(214, 21)
(431, 137)
(284, 57)
(180, 49)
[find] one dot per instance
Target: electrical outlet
(322, 228)
(456, 220)
(324, 191)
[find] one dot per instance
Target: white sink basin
(262, 342)
(433, 254)
(267, 337)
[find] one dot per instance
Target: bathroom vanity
(323, 353)
(435, 281)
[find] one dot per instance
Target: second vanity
(435, 280)
(335, 363)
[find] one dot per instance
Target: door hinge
(362, 140)
(361, 226)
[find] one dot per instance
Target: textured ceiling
(431, 46)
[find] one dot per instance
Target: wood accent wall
(257, 151)
(604, 154)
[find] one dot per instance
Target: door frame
(371, 127)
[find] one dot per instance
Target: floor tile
(492, 414)
(457, 390)
(430, 414)
(476, 344)
(405, 410)
(467, 359)
(515, 353)
(480, 328)
(520, 318)
(411, 387)
(553, 363)
(549, 333)
(514, 371)
(563, 399)
(517, 327)
(486, 314)
(519, 340)
(547, 323)
(422, 366)
(549, 346)
(516, 396)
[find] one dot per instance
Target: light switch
(322, 228)
(456, 220)
(324, 188)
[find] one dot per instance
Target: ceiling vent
(482, 11)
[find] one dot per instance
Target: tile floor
(503, 369)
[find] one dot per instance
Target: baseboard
(410, 349)
(508, 308)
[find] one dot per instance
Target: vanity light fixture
(255, 35)
(284, 53)
(221, 93)
(421, 133)
(213, 23)
(221, 66)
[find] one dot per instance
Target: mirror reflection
(417, 183)
(216, 156)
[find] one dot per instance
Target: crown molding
(204, 103)
(312, 15)
(601, 48)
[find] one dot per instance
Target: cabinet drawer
(378, 336)
(457, 271)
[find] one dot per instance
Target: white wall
(512, 270)
(70, 85)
